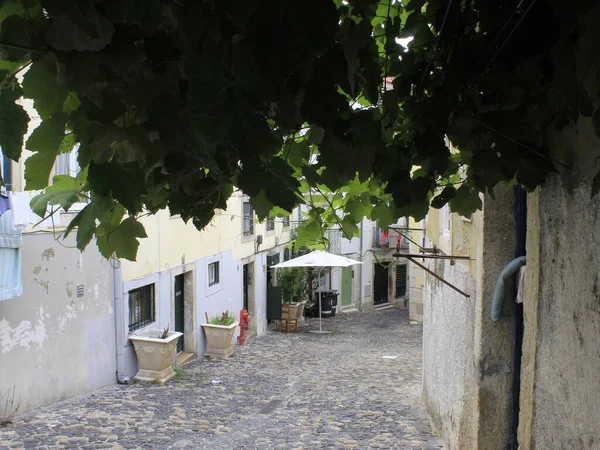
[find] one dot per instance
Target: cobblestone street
(280, 391)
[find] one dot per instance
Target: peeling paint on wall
(24, 334)
(69, 314)
(48, 254)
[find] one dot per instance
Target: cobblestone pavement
(280, 391)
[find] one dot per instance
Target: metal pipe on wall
(119, 307)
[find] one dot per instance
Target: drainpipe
(122, 378)
(360, 286)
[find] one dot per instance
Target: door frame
(251, 279)
(190, 336)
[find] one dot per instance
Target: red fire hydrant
(244, 319)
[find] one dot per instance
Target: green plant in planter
(225, 318)
(298, 283)
(293, 283)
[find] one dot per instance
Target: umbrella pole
(320, 318)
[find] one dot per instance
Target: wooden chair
(288, 321)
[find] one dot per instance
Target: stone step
(183, 357)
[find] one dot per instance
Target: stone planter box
(293, 311)
(155, 356)
(218, 340)
(300, 312)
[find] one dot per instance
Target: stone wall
(468, 363)
(560, 389)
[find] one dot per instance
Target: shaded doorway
(347, 276)
(249, 297)
(380, 284)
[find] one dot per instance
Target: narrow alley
(357, 387)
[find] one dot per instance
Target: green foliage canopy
(345, 105)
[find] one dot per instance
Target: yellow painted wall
(170, 239)
(464, 235)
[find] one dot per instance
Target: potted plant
(155, 350)
(219, 333)
(297, 285)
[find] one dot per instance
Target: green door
(179, 315)
(347, 274)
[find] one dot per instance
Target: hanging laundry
(4, 204)
(23, 214)
(385, 239)
(503, 285)
(10, 257)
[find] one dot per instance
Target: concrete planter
(218, 340)
(300, 312)
(155, 356)
(293, 311)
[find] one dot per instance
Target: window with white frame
(141, 307)
(286, 221)
(213, 273)
(66, 163)
(248, 218)
(445, 219)
(6, 170)
(270, 226)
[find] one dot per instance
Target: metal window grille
(141, 307)
(213, 273)
(286, 221)
(400, 280)
(248, 219)
(270, 224)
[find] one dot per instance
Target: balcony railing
(389, 238)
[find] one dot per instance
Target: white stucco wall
(54, 344)
(448, 354)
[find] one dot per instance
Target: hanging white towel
(521, 284)
(24, 215)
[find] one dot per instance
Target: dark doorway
(521, 234)
(179, 310)
(246, 286)
(380, 284)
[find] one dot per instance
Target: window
(286, 221)
(6, 171)
(445, 219)
(248, 225)
(213, 273)
(400, 280)
(270, 224)
(141, 307)
(66, 164)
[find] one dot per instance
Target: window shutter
(400, 280)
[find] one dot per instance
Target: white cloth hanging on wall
(521, 284)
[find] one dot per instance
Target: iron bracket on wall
(431, 272)
(435, 255)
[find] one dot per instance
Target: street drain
(270, 407)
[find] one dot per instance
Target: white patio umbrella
(318, 258)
